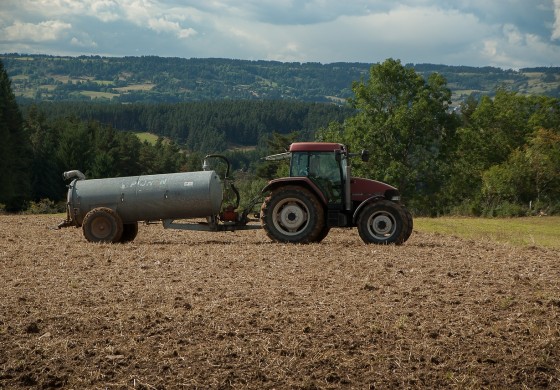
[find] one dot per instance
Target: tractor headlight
(396, 198)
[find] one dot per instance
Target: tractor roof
(315, 147)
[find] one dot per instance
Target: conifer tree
(15, 182)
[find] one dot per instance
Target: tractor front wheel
(383, 222)
(102, 224)
(293, 214)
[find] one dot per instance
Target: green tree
(504, 153)
(74, 150)
(45, 169)
(529, 177)
(277, 143)
(15, 176)
(543, 159)
(404, 121)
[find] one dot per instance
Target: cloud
(505, 33)
(105, 10)
(556, 27)
(84, 41)
(162, 25)
(49, 30)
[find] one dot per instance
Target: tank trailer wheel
(130, 231)
(383, 222)
(102, 225)
(292, 214)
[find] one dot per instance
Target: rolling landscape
(465, 303)
(158, 79)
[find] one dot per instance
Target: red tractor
(321, 194)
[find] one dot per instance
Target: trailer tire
(102, 224)
(383, 222)
(292, 214)
(130, 231)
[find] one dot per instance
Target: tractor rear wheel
(383, 222)
(293, 214)
(102, 224)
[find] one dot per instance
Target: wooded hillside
(161, 79)
(497, 154)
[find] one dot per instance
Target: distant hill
(163, 79)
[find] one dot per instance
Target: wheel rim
(381, 225)
(290, 216)
(101, 228)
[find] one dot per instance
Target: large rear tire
(102, 225)
(383, 222)
(410, 224)
(293, 214)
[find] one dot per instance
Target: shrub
(45, 206)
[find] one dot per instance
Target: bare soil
(177, 309)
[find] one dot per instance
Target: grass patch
(98, 95)
(148, 137)
(136, 87)
(527, 231)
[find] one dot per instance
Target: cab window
(323, 169)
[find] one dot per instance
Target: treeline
(205, 126)
(172, 80)
(40, 141)
(44, 149)
(494, 156)
(177, 79)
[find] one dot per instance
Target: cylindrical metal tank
(150, 197)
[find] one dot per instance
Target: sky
(509, 34)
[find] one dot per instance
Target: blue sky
(503, 33)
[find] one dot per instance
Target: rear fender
(301, 181)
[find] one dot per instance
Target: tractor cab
(323, 165)
(320, 193)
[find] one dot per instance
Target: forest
(172, 80)
(495, 154)
(205, 126)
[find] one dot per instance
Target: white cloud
(186, 33)
(83, 42)
(161, 25)
(556, 27)
(106, 10)
(506, 33)
(49, 30)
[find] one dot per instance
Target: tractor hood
(363, 189)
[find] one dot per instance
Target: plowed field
(188, 310)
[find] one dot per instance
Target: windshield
(321, 167)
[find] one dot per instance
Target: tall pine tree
(15, 175)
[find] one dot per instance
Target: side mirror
(365, 155)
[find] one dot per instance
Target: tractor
(320, 193)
